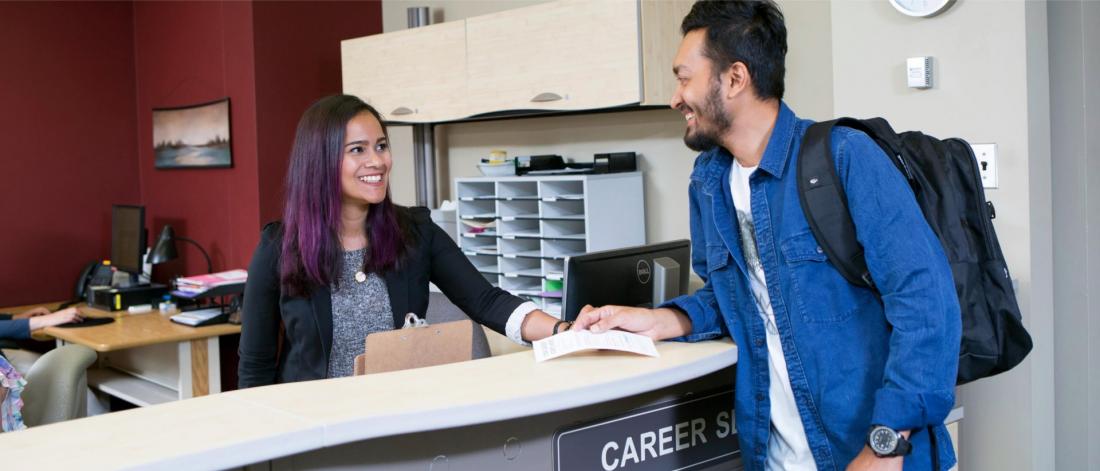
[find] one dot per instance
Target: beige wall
(1075, 127)
(394, 16)
(990, 60)
(656, 135)
(402, 176)
(809, 84)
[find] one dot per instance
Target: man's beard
(703, 139)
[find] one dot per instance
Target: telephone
(93, 274)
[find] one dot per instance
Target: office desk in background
(146, 359)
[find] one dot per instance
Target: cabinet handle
(546, 96)
(401, 111)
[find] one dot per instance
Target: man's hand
(60, 317)
(867, 461)
(657, 324)
(38, 311)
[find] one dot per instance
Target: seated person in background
(11, 404)
(345, 261)
(20, 326)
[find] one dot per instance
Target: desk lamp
(165, 248)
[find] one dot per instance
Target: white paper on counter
(576, 340)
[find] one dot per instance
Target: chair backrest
(57, 385)
(441, 309)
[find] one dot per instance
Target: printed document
(576, 340)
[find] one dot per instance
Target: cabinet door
(416, 75)
(566, 55)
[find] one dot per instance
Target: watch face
(883, 440)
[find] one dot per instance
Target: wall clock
(922, 8)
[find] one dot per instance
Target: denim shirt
(855, 357)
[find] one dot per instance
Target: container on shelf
(497, 165)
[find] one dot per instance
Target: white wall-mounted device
(919, 72)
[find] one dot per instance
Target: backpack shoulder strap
(825, 204)
(890, 141)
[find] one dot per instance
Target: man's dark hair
(748, 31)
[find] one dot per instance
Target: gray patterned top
(358, 308)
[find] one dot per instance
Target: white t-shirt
(788, 448)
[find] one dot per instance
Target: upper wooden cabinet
(558, 56)
(415, 75)
(566, 55)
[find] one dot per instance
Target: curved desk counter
(393, 420)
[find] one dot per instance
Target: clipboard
(416, 345)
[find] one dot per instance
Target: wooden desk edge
(78, 335)
(197, 333)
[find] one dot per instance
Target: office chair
(440, 309)
(487, 343)
(57, 386)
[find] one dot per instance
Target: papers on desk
(202, 283)
(197, 318)
(576, 340)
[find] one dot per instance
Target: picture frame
(193, 136)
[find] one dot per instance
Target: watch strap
(558, 324)
(903, 448)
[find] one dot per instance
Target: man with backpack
(830, 374)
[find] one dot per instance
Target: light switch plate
(987, 163)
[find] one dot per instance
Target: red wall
(67, 128)
(297, 62)
(188, 53)
(272, 59)
(78, 82)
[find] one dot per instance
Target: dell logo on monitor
(644, 272)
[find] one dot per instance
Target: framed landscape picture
(194, 136)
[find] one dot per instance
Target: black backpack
(944, 177)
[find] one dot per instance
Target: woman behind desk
(346, 261)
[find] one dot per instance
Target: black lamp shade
(165, 248)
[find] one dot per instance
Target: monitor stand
(666, 280)
(124, 279)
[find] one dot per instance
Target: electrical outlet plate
(987, 163)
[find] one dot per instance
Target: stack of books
(195, 285)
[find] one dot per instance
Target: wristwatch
(885, 441)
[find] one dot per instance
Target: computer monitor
(128, 238)
(644, 276)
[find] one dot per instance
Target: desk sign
(686, 433)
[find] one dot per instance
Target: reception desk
(503, 412)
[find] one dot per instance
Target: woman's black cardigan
(307, 320)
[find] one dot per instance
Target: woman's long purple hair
(311, 252)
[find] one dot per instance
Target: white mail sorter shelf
(518, 231)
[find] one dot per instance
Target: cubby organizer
(518, 231)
